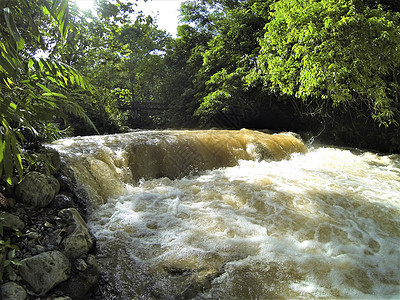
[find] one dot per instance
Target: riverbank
(48, 251)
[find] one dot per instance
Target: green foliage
(32, 89)
(230, 58)
(181, 82)
(116, 102)
(10, 153)
(10, 261)
(342, 51)
(124, 60)
(8, 250)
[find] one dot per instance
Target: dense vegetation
(329, 67)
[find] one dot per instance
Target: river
(239, 215)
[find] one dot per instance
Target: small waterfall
(105, 164)
(224, 215)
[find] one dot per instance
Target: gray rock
(20, 212)
(38, 249)
(80, 265)
(37, 189)
(62, 201)
(53, 239)
(44, 271)
(10, 221)
(78, 240)
(13, 291)
(79, 285)
(32, 235)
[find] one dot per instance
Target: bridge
(144, 106)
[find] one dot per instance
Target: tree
(183, 60)
(121, 52)
(32, 89)
(228, 59)
(339, 51)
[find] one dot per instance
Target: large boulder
(37, 189)
(12, 291)
(78, 240)
(44, 271)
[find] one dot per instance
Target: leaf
(8, 163)
(2, 147)
(72, 79)
(17, 156)
(52, 79)
(49, 66)
(11, 254)
(41, 64)
(13, 28)
(7, 66)
(51, 103)
(13, 106)
(2, 150)
(33, 28)
(59, 10)
(16, 262)
(30, 63)
(43, 87)
(55, 94)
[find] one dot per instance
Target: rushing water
(321, 224)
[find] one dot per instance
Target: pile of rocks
(55, 247)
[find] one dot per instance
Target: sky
(166, 11)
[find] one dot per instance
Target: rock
(48, 225)
(78, 240)
(79, 285)
(80, 265)
(32, 235)
(44, 271)
(37, 189)
(38, 249)
(62, 201)
(54, 239)
(11, 221)
(20, 212)
(12, 291)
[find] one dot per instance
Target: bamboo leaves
(10, 154)
(32, 89)
(13, 29)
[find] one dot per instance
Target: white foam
(328, 222)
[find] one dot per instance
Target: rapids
(239, 215)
